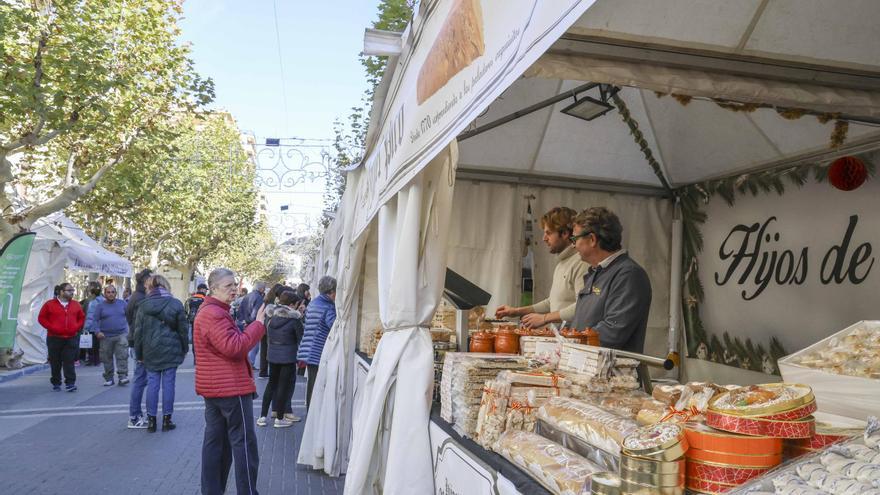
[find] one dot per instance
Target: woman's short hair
(327, 284)
(217, 275)
(288, 298)
(604, 224)
(158, 281)
(559, 219)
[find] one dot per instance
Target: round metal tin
(630, 488)
(804, 398)
(605, 483)
(648, 479)
(651, 466)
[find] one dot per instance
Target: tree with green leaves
(180, 202)
(349, 140)
(83, 81)
(254, 256)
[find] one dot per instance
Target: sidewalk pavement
(77, 442)
(7, 374)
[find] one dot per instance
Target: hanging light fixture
(588, 108)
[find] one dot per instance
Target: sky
(235, 43)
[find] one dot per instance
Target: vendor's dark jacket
(160, 333)
(285, 330)
(615, 301)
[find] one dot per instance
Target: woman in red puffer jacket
(225, 379)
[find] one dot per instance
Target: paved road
(63, 443)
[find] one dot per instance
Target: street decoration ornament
(847, 173)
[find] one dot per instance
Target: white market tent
(59, 244)
(798, 58)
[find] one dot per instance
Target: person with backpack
(285, 330)
(192, 307)
(161, 342)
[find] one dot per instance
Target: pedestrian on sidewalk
(320, 315)
(136, 418)
(269, 300)
(247, 313)
(63, 318)
(112, 328)
(161, 341)
(224, 378)
(285, 330)
(91, 355)
(192, 308)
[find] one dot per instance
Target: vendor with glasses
(568, 276)
(616, 292)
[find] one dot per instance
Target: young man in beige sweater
(568, 276)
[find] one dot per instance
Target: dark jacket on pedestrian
(285, 330)
(160, 331)
(320, 316)
(192, 305)
(250, 304)
(61, 321)
(140, 293)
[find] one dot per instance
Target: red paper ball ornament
(847, 173)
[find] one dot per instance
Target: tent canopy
(692, 142)
(83, 253)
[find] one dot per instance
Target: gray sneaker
(123, 381)
(293, 418)
(137, 424)
(283, 423)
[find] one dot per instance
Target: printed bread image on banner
(459, 43)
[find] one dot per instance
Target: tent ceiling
(692, 142)
(840, 34)
(798, 44)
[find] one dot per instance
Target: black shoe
(151, 424)
(167, 425)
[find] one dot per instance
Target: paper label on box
(546, 347)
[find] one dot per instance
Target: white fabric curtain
(647, 224)
(327, 436)
(485, 238)
(391, 445)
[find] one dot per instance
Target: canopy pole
(525, 111)
(674, 339)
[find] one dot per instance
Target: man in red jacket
(63, 318)
(225, 379)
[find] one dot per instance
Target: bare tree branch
(68, 179)
(73, 192)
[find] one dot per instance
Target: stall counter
(461, 466)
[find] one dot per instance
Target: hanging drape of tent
(60, 243)
(706, 98)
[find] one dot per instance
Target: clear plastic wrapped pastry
(592, 424)
(560, 470)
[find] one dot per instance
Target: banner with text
(463, 55)
(13, 263)
(796, 267)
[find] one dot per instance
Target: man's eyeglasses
(574, 238)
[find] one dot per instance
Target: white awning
(83, 253)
